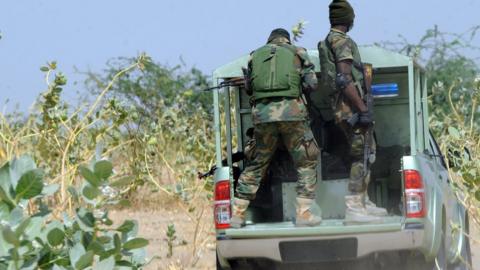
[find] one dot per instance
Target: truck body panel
(404, 143)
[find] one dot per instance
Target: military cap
(279, 32)
(341, 12)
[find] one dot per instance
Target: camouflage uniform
(283, 119)
(345, 48)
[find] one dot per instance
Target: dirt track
(475, 245)
(153, 226)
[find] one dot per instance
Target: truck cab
(426, 224)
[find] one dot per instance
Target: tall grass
(172, 145)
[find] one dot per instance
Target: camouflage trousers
(356, 137)
(298, 140)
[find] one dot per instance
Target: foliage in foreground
(161, 149)
(35, 237)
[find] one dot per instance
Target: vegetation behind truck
(426, 222)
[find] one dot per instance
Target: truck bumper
(283, 249)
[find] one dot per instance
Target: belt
(273, 99)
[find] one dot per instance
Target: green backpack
(328, 69)
(274, 73)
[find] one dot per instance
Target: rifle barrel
(222, 85)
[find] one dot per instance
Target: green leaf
(75, 253)
(52, 65)
(454, 132)
(6, 199)
(126, 226)
(55, 237)
(124, 264)
(108, 222)
(90, 192)
(44, 69)
(104, 239)
(124, 181)
(29, 185)
(138, 256)
(73, 192)
(117, 243)
(50, 189)
(16, 216)
(21, 228)
(135, 243)
(477, 195)
(10, 236)
(85, 218)
(63, 263)
(131, 233)
(108, 253)
(106, 264)
(90, 176)
(4, 210)
(5, 184)
(19, 166)
(34, 228)
(124, 203)
(96, 247)
(85, 260)
(103, 169)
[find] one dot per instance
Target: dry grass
(194, 246)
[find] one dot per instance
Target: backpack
(274, 73)
(328, 69)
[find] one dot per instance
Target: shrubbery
(35, 236)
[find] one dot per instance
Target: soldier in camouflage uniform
(280, 115)
(347, 100)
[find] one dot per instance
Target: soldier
(278, 72)
(343, 77)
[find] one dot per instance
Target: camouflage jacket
(344, 48)
(287, 109)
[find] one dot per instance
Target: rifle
(207, 174)
(368, 155)
(368, 99)
(243, 81)
(236, 157)
(223, 84)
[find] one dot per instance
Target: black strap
(329, 46)
(273, 49)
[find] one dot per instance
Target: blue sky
(84, 35)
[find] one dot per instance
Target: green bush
(35, 237)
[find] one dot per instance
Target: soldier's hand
(365, 118)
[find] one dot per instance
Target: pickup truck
(426, 226)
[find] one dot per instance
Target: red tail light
(414, 194)
(222, 210)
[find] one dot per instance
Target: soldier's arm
(345, 84)
(342, 48)
(309, 78)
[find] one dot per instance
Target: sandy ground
(475, 246)
(186, 255)
(201, 255)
